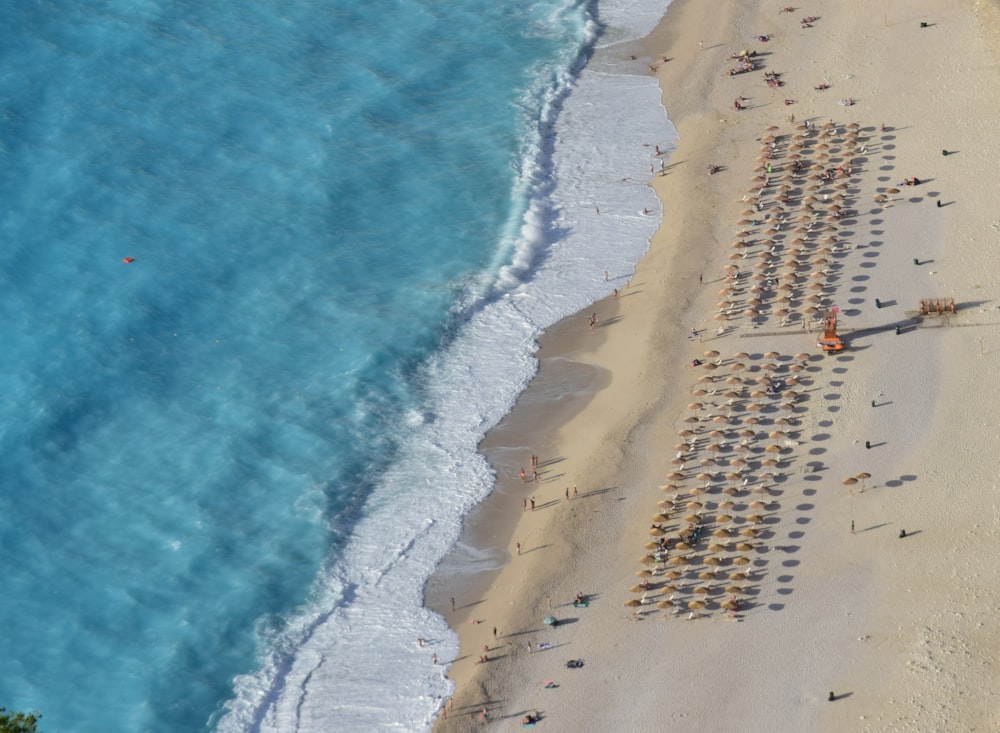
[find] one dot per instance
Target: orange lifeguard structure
(830, 342)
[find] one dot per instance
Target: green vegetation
(18, 722)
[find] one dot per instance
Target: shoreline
(616, 422)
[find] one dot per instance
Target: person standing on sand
(518, 548)
(567, 493)
(532, 503)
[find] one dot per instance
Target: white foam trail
(349, 662)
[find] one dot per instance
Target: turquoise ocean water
(269, 271)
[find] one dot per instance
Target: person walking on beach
(518, 548)
(532, 503)
(452, 604)
(852, 526)
(567, 493)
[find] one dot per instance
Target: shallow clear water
(221, 461)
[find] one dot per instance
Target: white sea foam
(350, 662)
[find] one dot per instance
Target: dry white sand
(901, 630)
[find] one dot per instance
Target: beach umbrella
(849, 481)
(644, 573)
(721, 533)
(652, 545)
(741, 561)
(639, 589)
(734, 588)
(647, 560)
(713, 562)
(737, 576)
(677, 461)
(716, 547)
(710, 354)
(664, 604)
(633, 603)
(722, 518)
(701, 589)
(681, 545)
(726, 505)
(675, 476)
(678, 561)
(861, 477)
(673, 574)
(656, 531)
(748, 532)
(755, 518)
(744, 547)
(696, 605)
(660, 517)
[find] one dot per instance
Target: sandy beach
(826, 519)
